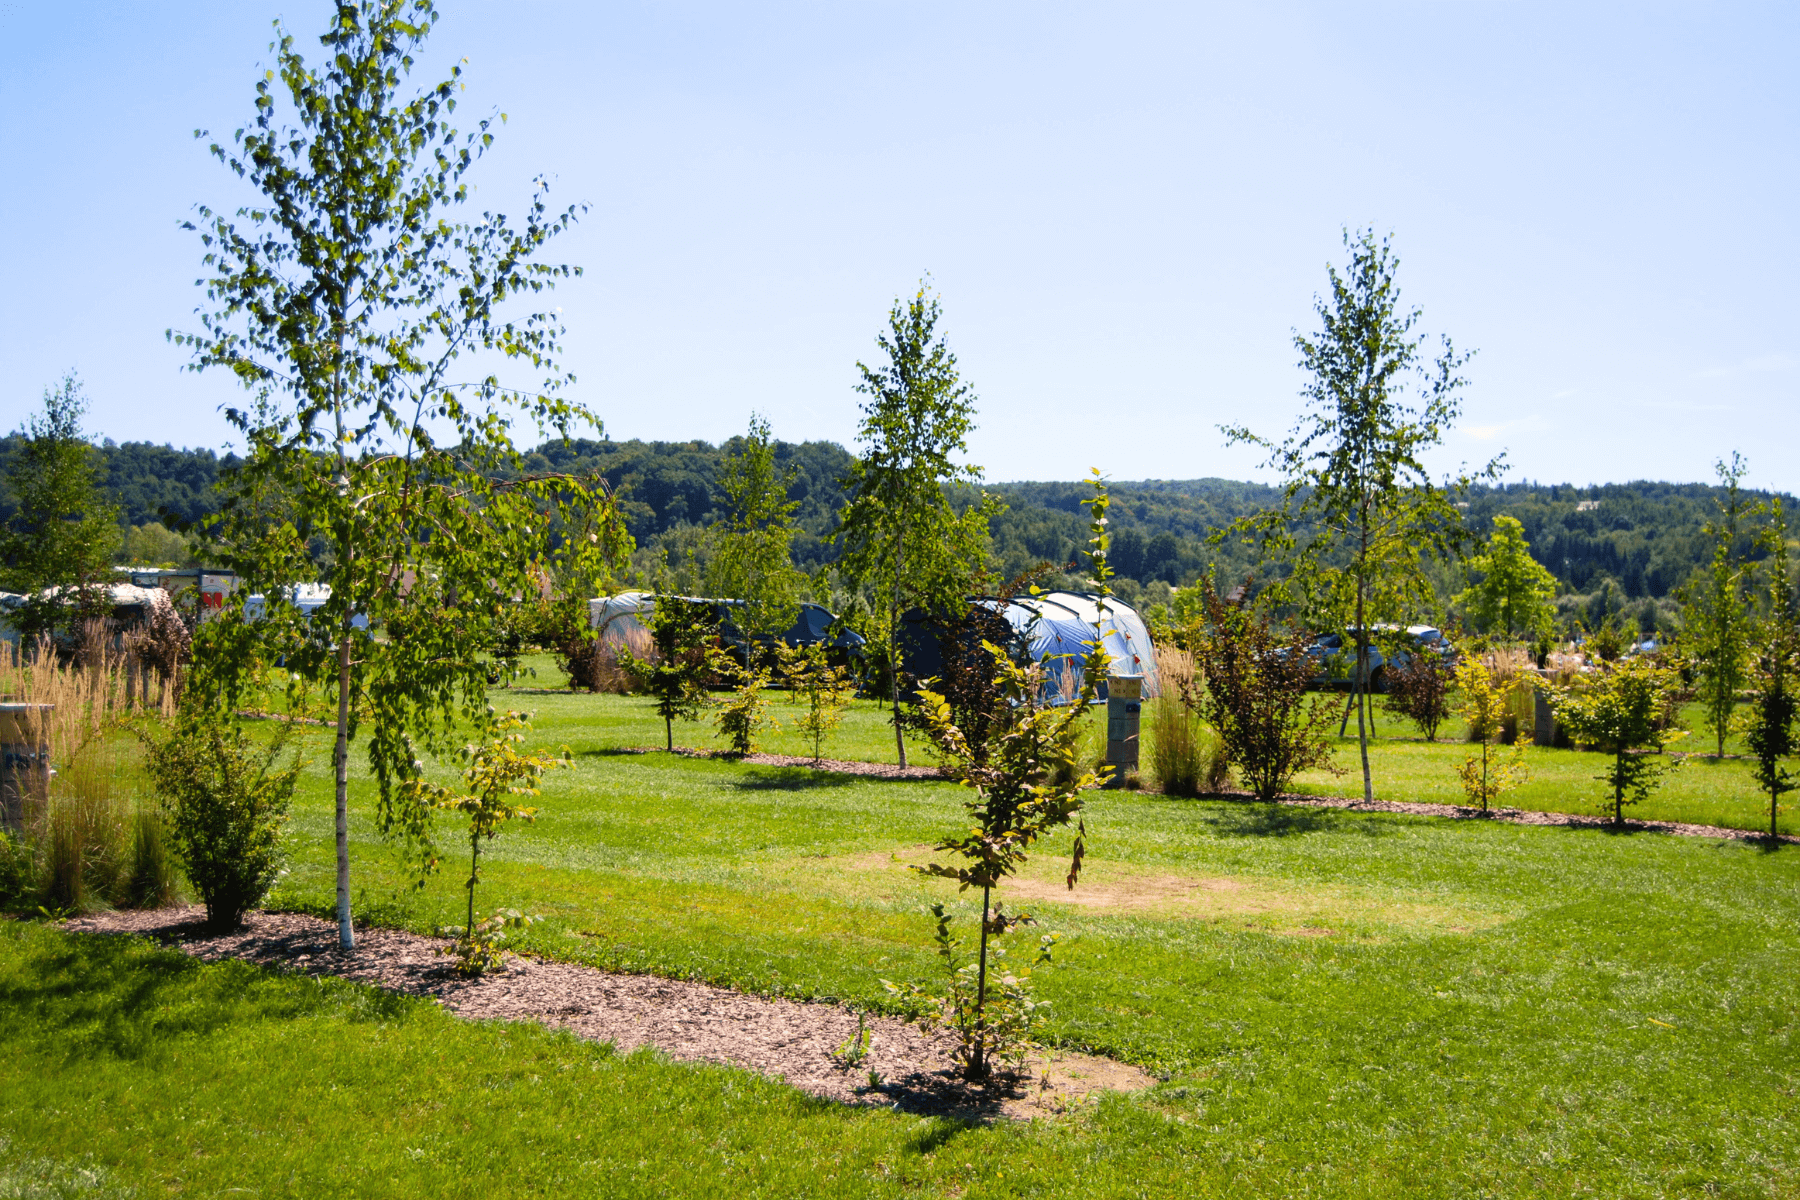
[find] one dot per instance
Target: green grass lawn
(1340, 1004)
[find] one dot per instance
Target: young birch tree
(348, 301)
(900, 533)
(1773, 732)
(754, 561)
(1717, 619)
(1359, 513)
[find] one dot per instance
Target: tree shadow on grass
(792, 779)
(1250, 818)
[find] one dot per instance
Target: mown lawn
(1340, 1004)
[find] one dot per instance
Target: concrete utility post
(1124, 702)
(24, 762)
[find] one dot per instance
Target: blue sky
(1126, 208)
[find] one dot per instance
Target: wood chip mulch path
(1511, 816)
(685, 1020)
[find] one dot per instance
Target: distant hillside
(1642, 538)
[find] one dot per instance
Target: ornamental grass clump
(1620, 714)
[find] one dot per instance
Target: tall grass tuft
(82, 842)
(1183, 755)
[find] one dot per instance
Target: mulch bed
(684, 1019)
(834, 766)
(1521, 816)
(1512, 816)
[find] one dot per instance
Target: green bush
(225, 803)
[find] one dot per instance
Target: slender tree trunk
(1362, 678)
(474, 873)
(346, 561)
(899, 568)
(346, 933)
(978, 1067)
(669, 734)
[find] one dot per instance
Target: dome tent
(1055, 627)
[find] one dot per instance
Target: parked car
(1336, 653)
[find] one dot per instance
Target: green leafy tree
(1256, 695)
(349, 300)
(62, 534)
(1026, 781)
(685, 658)
(901, 536)
(224, 804)
(1514, 595)
(495, 775)
(821, 688)
(1621, 714)
(753, 560)
(745, 711)
(1775, 678)
(1483, 703)
(1360, 516)
(1716, 619)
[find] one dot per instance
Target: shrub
(1256, 681)
(1485, 706)
(745, 712)
(1620, 714)
(684, 636)
(225, 803)
(1419, 690)
(823, 688)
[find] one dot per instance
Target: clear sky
(1127, 210)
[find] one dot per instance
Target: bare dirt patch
(684, 1019)
(1120, 889)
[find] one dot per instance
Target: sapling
(823, 689)
(686, 657)
(1483, 705)
(1620, 713)
(1026, 781)
(745, 712)
(496, 774)
(1775, 678)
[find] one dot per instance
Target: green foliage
(901, 536)
(346, 301)
(1484, 701)
(154, 545)
(495, 772)
(1513, 596)
(60, 532)
(1716, 619)
(822, 690)
(1027, 778)
(225, 803)
(1419, 690)
(686, 657)
(753, 562)
(1774, 722)
(997, 1022)
(745, 712)
(1256, 685)
(1621, 713)
(1360, 517)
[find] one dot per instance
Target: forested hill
(1643, 538)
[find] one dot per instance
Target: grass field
(1339, 1003)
